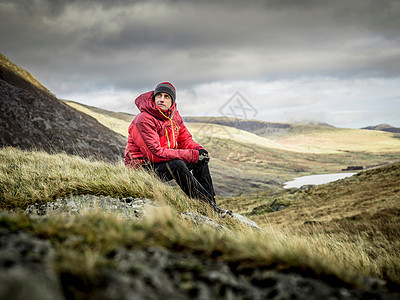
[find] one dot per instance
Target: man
(158, 140)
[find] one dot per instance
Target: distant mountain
(383, 127)
(31, 117)
(261, 128)
(254, 126)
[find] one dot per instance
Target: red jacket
(158, 136)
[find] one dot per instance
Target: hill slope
(33, 118)
(367, 193)
(383, 127)
(361, 210)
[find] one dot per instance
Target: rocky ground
(152, 273)
(155, 273)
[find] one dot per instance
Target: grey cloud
(85, 44)
(56, 7)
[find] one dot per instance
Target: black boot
(222, 213)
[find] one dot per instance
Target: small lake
(315, 179)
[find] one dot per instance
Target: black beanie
(166, 87)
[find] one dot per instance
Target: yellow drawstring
(166, 132)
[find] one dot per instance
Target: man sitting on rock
(158, 140)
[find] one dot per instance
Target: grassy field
(336, 229)
(336, 140)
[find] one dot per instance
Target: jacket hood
(145, 103)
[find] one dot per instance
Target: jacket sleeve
(147, 139)
(185, 140)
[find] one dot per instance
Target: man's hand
(203, 157)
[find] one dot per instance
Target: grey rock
(307, 186)
(25, 271)
(198, 219)
(246, 221)
(276, 206)
(129, 207)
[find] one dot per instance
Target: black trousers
(194, 179)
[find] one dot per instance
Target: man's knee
(177, 165)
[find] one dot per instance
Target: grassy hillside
(105, 113)
(32, 177)
(305, 238)
(368, 192)
(362, 211)
(119, 122)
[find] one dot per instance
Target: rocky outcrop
(31, 118)
(155, 272)
(129, 208)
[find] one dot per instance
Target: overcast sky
(290, 60)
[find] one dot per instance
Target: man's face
(163, 100)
